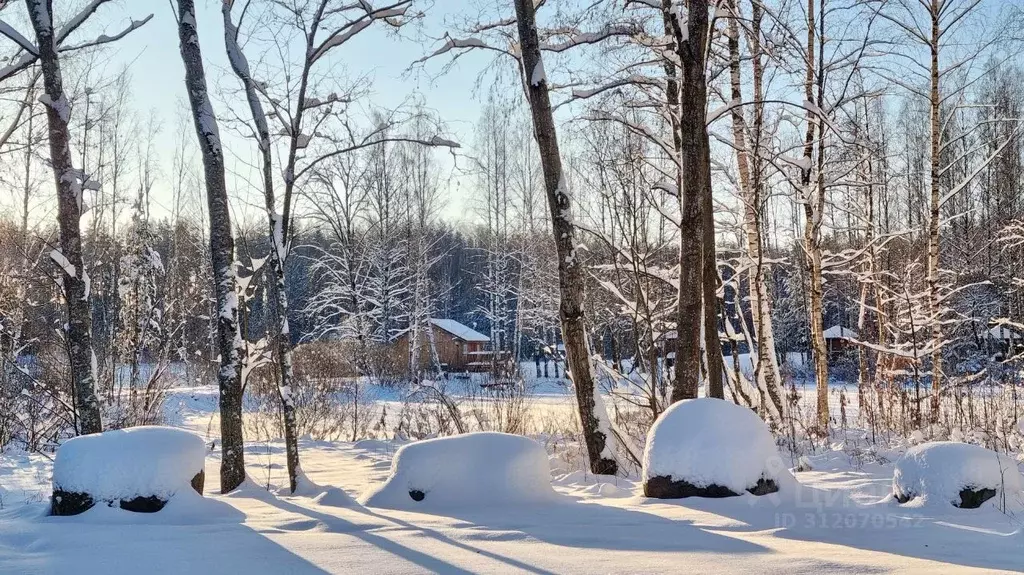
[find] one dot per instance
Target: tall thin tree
(222, 250)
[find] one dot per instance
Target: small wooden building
(839, 339)
(1004, 340)
(459, 347)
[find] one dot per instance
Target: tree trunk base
(970, 498)
(64, 503)
(662, 487)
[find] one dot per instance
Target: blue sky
(157, 76)
(157, 79)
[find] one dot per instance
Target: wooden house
(459, 348)
(1004, 341)
(839, 339)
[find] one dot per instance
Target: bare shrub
(324, 360)
(330, 402)
(45, 413)
(128, 405)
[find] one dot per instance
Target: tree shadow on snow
(565, 523)
(335, 524)
(211, 538)
(571, 523)
(967, 537)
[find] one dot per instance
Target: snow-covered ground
(838, 519)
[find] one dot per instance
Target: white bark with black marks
(74, 278)
(222, 249)
(597, 432)
(276, 286)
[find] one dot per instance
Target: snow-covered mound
(321, 494)
(466, 470)
(139, 468)
(711, 448)
(962, 474)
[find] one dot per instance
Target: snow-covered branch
(12, 34)
(581, 38)
(350, 29)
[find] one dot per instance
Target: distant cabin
(668, 343)
(839, 339)
(1005, 339)
(459, 347)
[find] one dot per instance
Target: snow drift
(138, 469)
(483, 468)
(961, 474)
(321, 494)
(711, 448)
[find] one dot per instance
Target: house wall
(837, 345)
(449, 351)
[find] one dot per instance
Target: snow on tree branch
(443, 142)
(32, 54)
(656, 4)
(63, 262)
(9, 31)
(582, 38)
(632, 80)
(18, 65)
(78, 19)
(348, 30)
(460, 43)
(493, 25)
(105, 39)
(668, 187)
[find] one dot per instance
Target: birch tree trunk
(935, 102)
(814, 205)
(26, 262)
(276, 286)
(75, 279)
(766, 370)
(222, 248)
(868, 282)
(597, 433)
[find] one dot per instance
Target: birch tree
(305, 126)
(950, 34)
(521, 39)
(222, 250)
(276, 288)
(750, 165)
(70, 182)
(597, 431)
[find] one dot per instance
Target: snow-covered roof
(840, 332)
(460, 331)
(1004, 333)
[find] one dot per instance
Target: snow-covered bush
(474, 469)
(961, 474)
(711, 448)
(138, 469)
